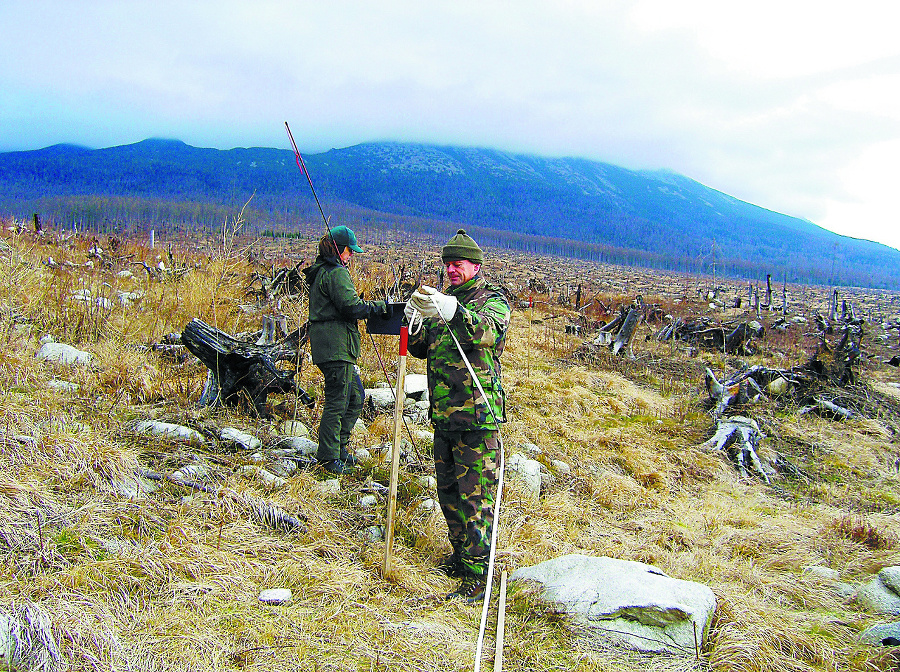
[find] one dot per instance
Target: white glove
(431, 303)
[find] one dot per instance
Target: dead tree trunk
(626, 333)
(242, 373)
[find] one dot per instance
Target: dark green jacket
(480, 325)
(334, 309)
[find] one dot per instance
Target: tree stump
(244, 373)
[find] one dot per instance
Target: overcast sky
(793, 106)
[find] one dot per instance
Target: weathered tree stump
(243, 373)
(739, 438)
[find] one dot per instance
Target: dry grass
(170, 580)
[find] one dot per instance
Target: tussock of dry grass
(170, 580)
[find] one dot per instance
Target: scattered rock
(779, 386)
(134, 487)
(630, 603)
(60, 353)
(191, 472)
(169, 431)
(427, 482)
(297, 445)
(882, 594)
(332, 486)
(526, 473)
(372, 534)
(126, 299)
(294, 428)
(423, 435)
(368, 501)
(381, 400)
(63, 386)
(426, 506)
(415, 386)
(561, 467)
(276, 596)
(242, 439)
(820, 572)
(883, 634)
(267, 478)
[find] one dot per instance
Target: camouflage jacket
(480, 325)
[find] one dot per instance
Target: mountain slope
(670, 220)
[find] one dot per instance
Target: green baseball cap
(344, 237)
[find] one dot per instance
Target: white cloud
(782, 104)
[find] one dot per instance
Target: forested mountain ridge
(578, 206)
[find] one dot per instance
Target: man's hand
(432, 303)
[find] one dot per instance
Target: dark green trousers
(344, 396)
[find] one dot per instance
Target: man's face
(460, 272)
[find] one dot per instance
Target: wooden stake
(501, 625)
(399, 398)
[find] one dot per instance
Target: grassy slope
(170, 581)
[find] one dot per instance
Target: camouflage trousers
(465, 465)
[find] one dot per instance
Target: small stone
(63, 354)
(299, 445)
(820, 572)
(427, 482)
(294, 428)
(561, 467)
(426, 506)
(63, 385)
(332, 486)
(267, 478)
(244, 440)
(372, 534)
(275, 596)
(779, 386)
(368, 501)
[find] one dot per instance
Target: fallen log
(243, 373)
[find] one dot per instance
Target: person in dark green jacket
(334, 310)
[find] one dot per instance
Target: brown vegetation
(170, 580)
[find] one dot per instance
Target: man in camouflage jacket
(466, 419)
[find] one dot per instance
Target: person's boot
(348, 459)
(334, 467)
(452, 566)
(471, 589)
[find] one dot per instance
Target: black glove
(382, 309)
